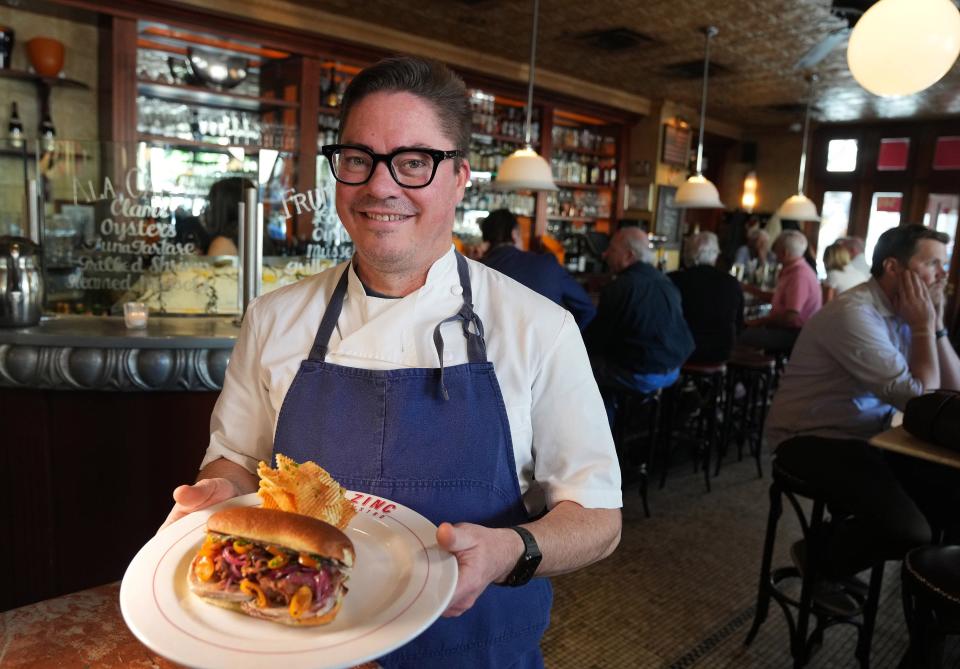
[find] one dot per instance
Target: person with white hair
(756, 252)
(796, 298)
(638, 340)
(712, 300)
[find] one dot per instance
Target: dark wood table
(899, 440)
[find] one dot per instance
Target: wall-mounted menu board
(669, 216)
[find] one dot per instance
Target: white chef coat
(562, 444)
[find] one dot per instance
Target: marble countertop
(83, 629)
(208, 332)
(80, 630)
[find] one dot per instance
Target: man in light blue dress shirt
(857, 361)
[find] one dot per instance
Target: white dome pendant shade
(799, 207)
(900, 47)
(525, 169)
(697, 192)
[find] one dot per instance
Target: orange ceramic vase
(46, 56)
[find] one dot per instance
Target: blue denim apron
(437, 441)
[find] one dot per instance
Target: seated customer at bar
(796, 298)
(755, 254)
(540, 273)
(639, 340)
(858, 360)
(712, 300)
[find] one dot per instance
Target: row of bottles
(480, 197)
(332, 85)
(489, 118)
(329, 130)
(583, 139)
(578, 203)
(584, 169)
(46, 132)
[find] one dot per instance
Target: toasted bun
(289, 530)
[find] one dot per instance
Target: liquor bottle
(48, 134)
(330, 95)
(15, 128)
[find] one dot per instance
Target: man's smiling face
(398, 229)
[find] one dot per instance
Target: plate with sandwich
(247, 583)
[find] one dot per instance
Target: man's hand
(484, 555)
(200, 495)
(914, 304)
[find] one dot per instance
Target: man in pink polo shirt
(796, 298)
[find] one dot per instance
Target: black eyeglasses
(410, 168)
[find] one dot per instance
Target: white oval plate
(401, 582)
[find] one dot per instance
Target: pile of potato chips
(304, 488)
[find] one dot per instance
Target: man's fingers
(454, 539)
(203, 493)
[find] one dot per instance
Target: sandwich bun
(282, 528)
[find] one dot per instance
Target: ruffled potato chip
(304, 488)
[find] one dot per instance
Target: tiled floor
(679, 591)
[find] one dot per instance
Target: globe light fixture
(525, 169)
(698, 192)
(900, 47)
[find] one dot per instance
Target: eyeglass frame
(438, 156)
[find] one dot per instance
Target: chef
(420, 376)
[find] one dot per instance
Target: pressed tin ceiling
(652, 46)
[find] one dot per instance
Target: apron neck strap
(321, 342)
(476, 347)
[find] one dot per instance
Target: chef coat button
(457, 290)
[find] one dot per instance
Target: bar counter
(100, 424)
(100, 353)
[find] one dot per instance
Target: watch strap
(527, 564)
(942, 332)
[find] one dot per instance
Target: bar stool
(931, 603)
(708, 381)
(629, 405)
(774, 583)
(744, 417)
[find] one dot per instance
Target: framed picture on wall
(669, 218)
(637, 196)
(676, 145)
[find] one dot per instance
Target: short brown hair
(426, 78)
(901, 243)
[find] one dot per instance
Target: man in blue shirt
(639, 339)
(540, 273)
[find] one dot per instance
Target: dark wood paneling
(89, 477)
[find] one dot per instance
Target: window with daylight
(884, 214)
(834, 219)
(842, 155)
(941, 215)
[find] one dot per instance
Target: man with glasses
(416, 375)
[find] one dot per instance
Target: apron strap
(476, 346)
(321, 343)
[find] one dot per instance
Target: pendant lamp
(525, 169)
(799, 207)
(697, 192)
(900, 47)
